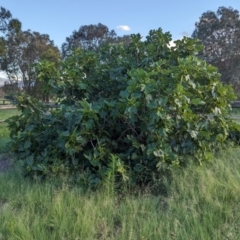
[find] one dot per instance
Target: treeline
(21, 50)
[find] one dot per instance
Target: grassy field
(4, 132)
(197, 202)
(6, 113)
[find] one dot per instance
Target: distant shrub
(131, 110)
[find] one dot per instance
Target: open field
(197, 202)
(6, 113)
(4, 132)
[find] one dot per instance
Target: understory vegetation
(196, 202)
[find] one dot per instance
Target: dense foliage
(128, 110)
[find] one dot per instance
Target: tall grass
(200, 203)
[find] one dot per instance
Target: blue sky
(60, 18)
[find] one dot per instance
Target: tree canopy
(91, 37)
(7, 25)
(220, 35)
(22, 51)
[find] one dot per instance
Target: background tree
(7, 24)
(91, 37)
(23, 51)
(220, 35)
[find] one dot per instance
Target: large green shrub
(128, 110)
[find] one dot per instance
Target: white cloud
(171, 44)
(124, 27)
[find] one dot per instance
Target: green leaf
(194, 134)
(159, 153)
(82, 86)
(27, 144)
(148, 97)
(30, 160)
(124, 94)
(197, 101)
(180, 88)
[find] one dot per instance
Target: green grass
(201, 203)
(4, 132)
(6, 113)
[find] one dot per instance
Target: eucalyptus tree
(220, 35)
(23, 50)
(7, 25)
